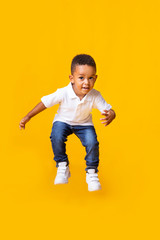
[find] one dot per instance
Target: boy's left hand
(109, 116)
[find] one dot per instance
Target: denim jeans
(87, 136)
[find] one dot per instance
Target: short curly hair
(82, 59)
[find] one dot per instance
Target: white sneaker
(63, 173)
(92, 180)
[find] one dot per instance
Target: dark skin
(37, 109)
(109, 116)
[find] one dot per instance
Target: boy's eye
(82, 77)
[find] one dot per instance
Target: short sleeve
(52, 99)
(101, 104)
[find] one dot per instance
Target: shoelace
(93, 177)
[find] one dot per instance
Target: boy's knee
(91, 143)
(57, 138)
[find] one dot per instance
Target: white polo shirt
(71, 109)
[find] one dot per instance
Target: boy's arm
(37, 109)
(104, 108)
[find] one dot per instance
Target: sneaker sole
(94, 189)
(65, 182)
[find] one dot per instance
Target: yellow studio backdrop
(38, 41)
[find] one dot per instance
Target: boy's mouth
(86, 88)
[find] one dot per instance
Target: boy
(74, 116)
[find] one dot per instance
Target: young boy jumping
(76, 102)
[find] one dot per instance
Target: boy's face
(83, 79)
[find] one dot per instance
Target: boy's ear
(96, 78)
(71, 78)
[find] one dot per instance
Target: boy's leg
(88, 137)
(59, 134)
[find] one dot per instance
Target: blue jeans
(88, 137)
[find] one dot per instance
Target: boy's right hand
(23, 122)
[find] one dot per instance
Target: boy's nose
(86, 81)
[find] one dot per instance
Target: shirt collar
(71, 91)
(73, 95)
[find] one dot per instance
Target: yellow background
(38, 41)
